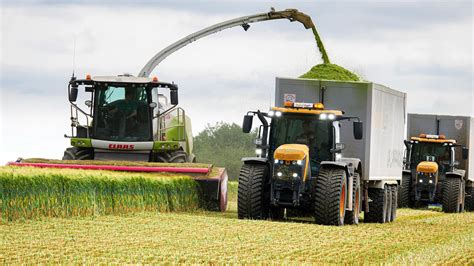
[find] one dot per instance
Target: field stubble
(418, 236)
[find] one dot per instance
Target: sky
(423, 48)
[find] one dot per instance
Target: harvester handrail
(290, 14)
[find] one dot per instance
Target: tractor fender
(254, 160)
(458, 173)
(353, 164)
(340, 165)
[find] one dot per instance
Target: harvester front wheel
(352, 217)
(75, 153)
(378, 205)
(330, 196)
(177, 156)
(404, 192)
(453, 194)
(252, 201)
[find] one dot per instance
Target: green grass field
(417, 236)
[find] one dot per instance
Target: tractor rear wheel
(394, 202)
(469, 200)
(404, 192)
(453, 194)
(330, 189)
(378, 206)
(352, 217)
(251, 196)
(75, 153)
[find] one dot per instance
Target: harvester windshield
(304, 129)
(123, 113)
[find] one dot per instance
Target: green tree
(224, 145)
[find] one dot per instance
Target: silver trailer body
(459, 128)
(383, 111)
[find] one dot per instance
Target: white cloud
(220, 77)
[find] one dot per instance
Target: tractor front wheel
(251, 200)
(453, 195)
(330, 191)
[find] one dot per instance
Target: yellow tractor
(300, 168)
(430, 174)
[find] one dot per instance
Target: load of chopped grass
(27, 192)
(330, 72)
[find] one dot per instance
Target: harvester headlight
(331, 116)
(295, 175)
(271, 113)
(323, 116)
(277, 113)
(279, 174)
(258, 151)
(299, 162)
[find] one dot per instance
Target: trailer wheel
(453, 195)
(469, 200)
(388, 216)
(394, 203)
(251, 202)
(377, 206)
(404, 199)
(75, 153)
(330, 197)
(352, 217)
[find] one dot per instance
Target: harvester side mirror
(247, 124)
(465, 153)
(174, 97)
(358, 130)
(73, 93)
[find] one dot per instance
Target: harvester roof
(433, 139)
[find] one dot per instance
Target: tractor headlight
(277, 161)
(295, 175)
(323, 116)
(299, 162)
(331, 116)
(258, 151)
(271, 113)
(277, 113)
(431, 181)
(279, 174)
(421, 181)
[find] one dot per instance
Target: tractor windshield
(434, 152)
(304, 129)
(122, 113)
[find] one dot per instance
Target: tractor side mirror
(247, 124)
(465, 153)
(358, 129)
(73, 90)
(174, 97)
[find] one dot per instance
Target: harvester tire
(394, 202)
(352, 217)
(377, 206)
(178, 157)
(469, 200)
(330, 190)
(404, 200)
(251, 198)
(75, 153)
(452, 195)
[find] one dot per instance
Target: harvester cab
(299, 166)
(130, 119)
(430, 168)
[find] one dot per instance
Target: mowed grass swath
(35, 192)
